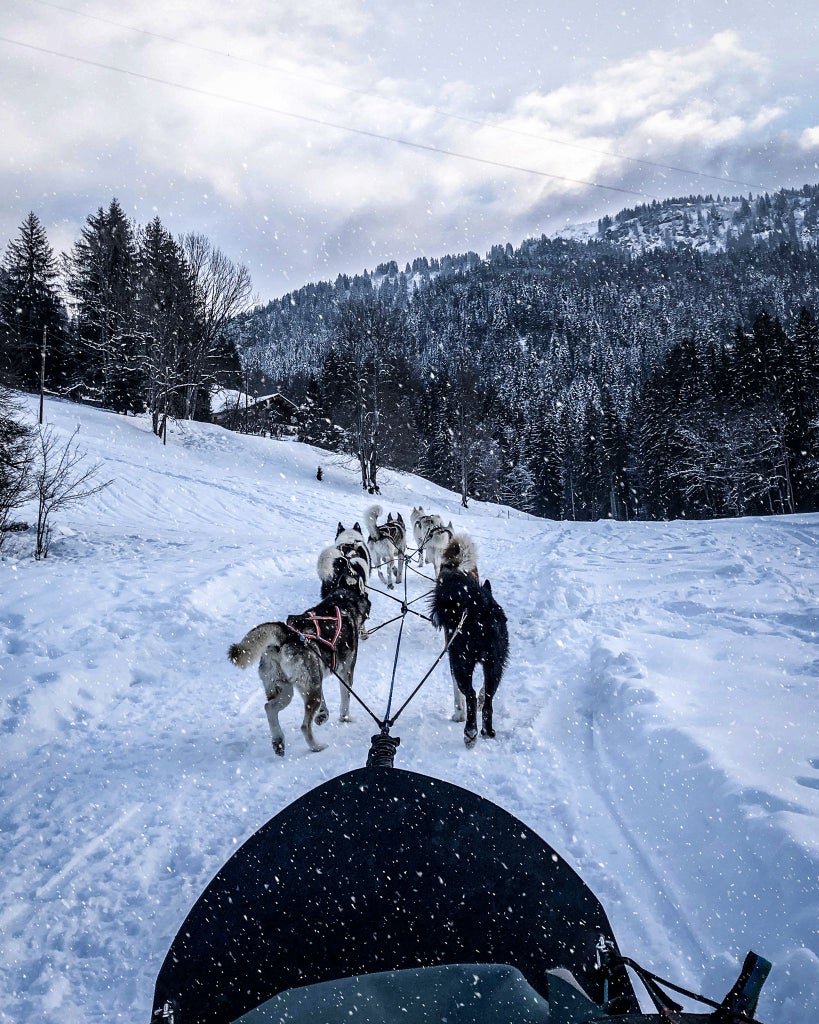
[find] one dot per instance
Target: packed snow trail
(657, 723)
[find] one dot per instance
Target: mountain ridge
(699, 222)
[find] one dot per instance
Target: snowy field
(658, 723)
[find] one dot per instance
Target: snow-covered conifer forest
(662, 364)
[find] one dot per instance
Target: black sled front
(384, 870)
(384, 895)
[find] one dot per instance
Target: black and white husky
(353, 543)
(388, 545)
(483, 637)
(431, 536)
(336, 563)
(304, 649)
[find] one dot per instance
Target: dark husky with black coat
(483, 637)
(305, 648)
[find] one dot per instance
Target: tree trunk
(464, 464)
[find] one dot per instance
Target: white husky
(388, 544)
(431, 536)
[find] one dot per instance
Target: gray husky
(431, 536)
(388, 544)
(304, 649)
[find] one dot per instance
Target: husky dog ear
(389, 517)
(487, 586)
(357, 527)
(339, 530)
(400, 519)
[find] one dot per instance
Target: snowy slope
(658, 724)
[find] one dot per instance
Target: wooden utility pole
(42, 370)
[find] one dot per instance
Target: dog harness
(393, 532)
(355, 549)
(433, 531)
(297, 624)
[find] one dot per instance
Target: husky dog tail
(371, 519)
(251, 647)
(331, 565)
(461, 554)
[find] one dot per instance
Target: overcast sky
(253, 153)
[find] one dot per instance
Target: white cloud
(635, 88)
(75, 135)
(809, 139)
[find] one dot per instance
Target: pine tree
(315, 424)
(590, 478)
(763, 377)
(544, 459)
(16, 457)
(101, 278)
(30, 305)
(801, 406)
(165, 320)
(615, 446)
(363, 362)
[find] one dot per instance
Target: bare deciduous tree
(60, 478)
(220, 291)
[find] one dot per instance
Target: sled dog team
(300, 652)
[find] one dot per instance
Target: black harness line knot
(382, 751)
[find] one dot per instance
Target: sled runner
(384, 895)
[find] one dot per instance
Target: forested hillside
(663, 366)
(717, 224)
(130, 318)
(576, 379)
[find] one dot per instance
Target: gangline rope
(388, 721)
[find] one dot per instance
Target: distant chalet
(270, 415)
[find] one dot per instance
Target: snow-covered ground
(658, 723)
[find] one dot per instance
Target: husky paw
(346, 718)
(322, 716)
(458, 716)
(470, 737)
(278, 748)
(318, 747)
(488, 732)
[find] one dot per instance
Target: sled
(385, 895)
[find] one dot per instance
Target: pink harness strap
(317, 636)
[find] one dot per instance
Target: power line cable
(477, 122)
(424, 147)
